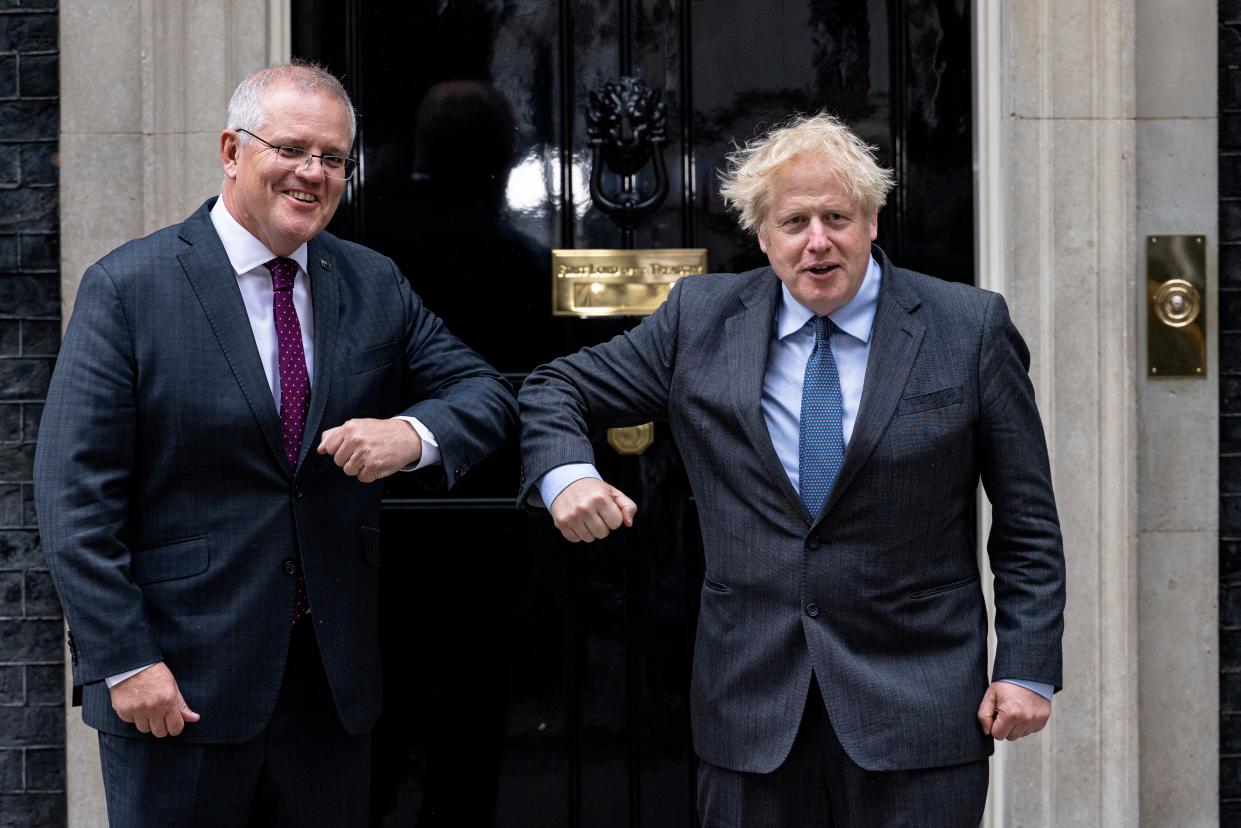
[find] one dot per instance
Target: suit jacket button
(297, 492)
(812, 610)
(813, 542)
(290, 567)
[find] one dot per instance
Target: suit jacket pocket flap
(927, 402)
(948, 587)
(378, 356)
(169, 561)
(370, 545)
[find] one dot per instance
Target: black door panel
(529, 681)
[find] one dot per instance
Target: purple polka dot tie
(821, 441)
(294, 383)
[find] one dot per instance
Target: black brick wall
(1230, 409)
(32, 730)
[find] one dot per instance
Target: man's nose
(312, 169)
(817, 238)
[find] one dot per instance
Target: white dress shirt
(249, 258)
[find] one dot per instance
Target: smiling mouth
(305, 198)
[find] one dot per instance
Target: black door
(529, 681)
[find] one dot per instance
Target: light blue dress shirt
(792, 342)
(790, 350)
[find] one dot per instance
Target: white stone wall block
(183, 170)
(100, 66)
(1071, 269)
(101, 191)
(1175, 59)
(1178, 662)
(1070, 59)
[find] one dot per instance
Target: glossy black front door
(530, 681)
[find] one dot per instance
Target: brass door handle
(1177, 303)
(1176, 335)
(631, 440)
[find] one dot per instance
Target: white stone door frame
(1095, 126)
(990, 250)
(1069, 277)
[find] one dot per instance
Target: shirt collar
(245, 252)
(855, 318)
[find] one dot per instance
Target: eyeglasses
(297, 158)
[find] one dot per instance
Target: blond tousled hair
(746, 182)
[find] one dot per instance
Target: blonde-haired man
(836, 414)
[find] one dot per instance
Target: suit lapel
(895, 339)
(325, 297)
(211, 276)
(749, 334)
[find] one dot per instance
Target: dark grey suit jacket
(880, 594)
(165, 504)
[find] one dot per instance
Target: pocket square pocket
(928, 402)
(380, 356)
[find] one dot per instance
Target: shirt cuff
(1044, 690)
(558, 479)
(430, 448)
(112, 681)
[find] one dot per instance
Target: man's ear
(230, 150)
(762, 237)
(874, 226)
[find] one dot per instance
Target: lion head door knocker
(626, 126)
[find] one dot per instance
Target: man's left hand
(370, 449)
(1009, 711)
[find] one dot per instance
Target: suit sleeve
(462, 400)
(1025, 547)
(624, 381)
(83, 468)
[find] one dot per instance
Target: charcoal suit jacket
(879, 594)
(172, 524)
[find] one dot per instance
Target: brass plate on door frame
(1176, 306)
(631, 440)
(588, 283)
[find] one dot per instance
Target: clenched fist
(1009, 711)
(370, 449)
(589, 509)
(151, 702)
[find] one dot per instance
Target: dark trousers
(819, 785)
(303, 770)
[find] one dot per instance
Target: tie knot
(283, 272)
(823, 328)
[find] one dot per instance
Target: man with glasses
(228, 392)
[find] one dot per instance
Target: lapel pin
(323, 263)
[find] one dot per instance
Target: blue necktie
(821, 441)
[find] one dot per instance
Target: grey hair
(245, 108)
(746, 183)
